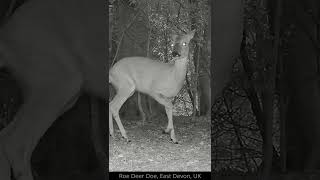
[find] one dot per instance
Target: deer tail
(110, 78)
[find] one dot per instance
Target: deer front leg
(143, 115)
(168, 106)
(170, 128)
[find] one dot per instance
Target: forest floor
(151, 150)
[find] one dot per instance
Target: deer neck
(180, 68)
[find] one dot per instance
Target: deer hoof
(174, 141)
(126, 139)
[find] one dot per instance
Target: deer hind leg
(111, 131)
(149, 107)
(169, 107)
(114, 107)
(33, 119)
(143, 115)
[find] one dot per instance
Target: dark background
(66, 151)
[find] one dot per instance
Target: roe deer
(161, 81)
(56, 50)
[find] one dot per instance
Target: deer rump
(55, 49)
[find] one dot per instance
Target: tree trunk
(205, 94)
(302, 72)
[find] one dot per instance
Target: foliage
(237, 140)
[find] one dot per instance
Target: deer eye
(172, 45)
(184, 44)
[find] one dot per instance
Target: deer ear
(174, 37)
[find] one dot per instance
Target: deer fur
(161, 81)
